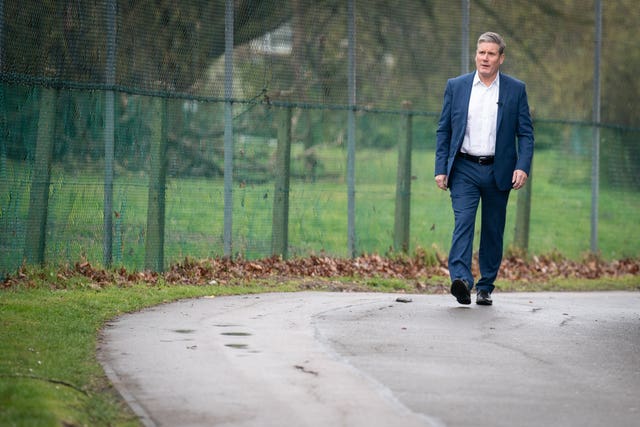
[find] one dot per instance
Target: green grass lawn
(560, 216)
(49, 375)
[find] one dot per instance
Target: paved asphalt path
(365, 360)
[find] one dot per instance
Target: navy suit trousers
(469, 184)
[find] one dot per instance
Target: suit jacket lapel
(465, 98)
(502, 96)
(467, 93)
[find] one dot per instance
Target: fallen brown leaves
(224, 271)
(543, 268)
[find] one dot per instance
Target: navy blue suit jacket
(513, 122)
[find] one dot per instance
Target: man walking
(477, 158)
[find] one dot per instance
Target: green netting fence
(123, 108)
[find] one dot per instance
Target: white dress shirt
(480, 135)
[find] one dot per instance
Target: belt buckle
(483, 160)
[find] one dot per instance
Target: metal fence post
(3, 109)
(595, 162)
(1, 35)
(109, 122)
(403, 183)
(228, 129)
(351, 130)
(464, 58)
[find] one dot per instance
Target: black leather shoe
(483, 298)
(460, 290)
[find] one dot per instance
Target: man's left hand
(519, 179)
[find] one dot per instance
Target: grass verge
(49, 374)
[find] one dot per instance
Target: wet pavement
(365, 359)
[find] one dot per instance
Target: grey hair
(491, 37)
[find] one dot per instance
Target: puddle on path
(237, 346)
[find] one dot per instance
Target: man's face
(488, 60)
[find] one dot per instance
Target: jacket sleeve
(524, 133)
(443, 133)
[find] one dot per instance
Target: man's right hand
(441, 181)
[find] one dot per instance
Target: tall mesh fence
(290, 65)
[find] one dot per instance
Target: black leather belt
(481, 160)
